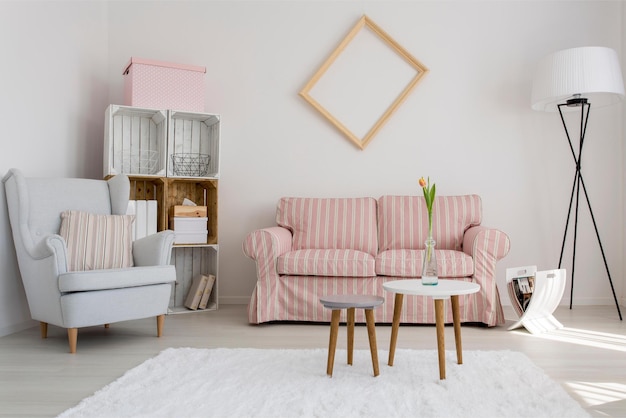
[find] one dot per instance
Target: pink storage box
(164, 85)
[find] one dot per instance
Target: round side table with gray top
(350, 303)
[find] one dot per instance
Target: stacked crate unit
(131, 130)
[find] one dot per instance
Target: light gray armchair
(75, 299)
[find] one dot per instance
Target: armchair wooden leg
(160, 322)
(43, 326)
(72, 337)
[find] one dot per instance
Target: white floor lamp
(575, 78)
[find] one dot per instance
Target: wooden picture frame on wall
(352, 89)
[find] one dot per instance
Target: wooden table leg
(160, 320)
(350, 326)
(440, 338)
(457, 328)
(371, 333)
(72, 337)
(397, 311)
(332, 343)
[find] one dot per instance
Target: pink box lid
(135, 60)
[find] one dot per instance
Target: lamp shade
(593, 73)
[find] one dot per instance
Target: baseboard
(17, 327)
(608, 300)
(584, 302)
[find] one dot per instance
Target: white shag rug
(190, 382)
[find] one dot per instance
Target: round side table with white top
(445, 289)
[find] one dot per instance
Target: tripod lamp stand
(574, 79)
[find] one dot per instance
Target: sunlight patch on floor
(584, 337)
(598, 393)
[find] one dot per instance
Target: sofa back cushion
(403, 221)
(330, 223)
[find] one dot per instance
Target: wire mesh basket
(193, 165)
(145, 162)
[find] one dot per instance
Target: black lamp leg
(578, 181)
(569, 213)
(606, 266)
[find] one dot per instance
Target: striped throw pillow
(97, 241)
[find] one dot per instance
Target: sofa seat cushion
(326, 262)
(408, 263)
(89, 280)
(330, 223)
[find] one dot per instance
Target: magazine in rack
(520, 287)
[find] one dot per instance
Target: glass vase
(429, 267)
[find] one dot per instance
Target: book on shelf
(132, 210)
(151, 217)
(145, 212)
(141, 213)
(196, 291)
(206, 294)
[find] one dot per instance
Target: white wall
(468, 125)
(53, 88)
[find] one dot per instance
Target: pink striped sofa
(324, 246)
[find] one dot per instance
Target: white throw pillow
(97, 242)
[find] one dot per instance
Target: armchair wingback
(75, 299)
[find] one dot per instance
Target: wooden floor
(40, 378)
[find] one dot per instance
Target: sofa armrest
(486, 246)
(154, 249)
(53, 245)
(487, 242)
(267, 244)
(264, 246)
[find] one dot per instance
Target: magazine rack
(546, 294)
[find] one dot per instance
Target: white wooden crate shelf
(193, 145)
(135, 141)
(191, 261)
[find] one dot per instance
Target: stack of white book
(200, 292)
(190, 224)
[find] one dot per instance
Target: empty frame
(363, 82)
